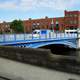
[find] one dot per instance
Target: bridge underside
(69, 43)
(60, 49)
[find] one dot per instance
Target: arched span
(67, 43)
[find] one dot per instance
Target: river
(20, 71)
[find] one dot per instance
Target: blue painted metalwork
(28, 40)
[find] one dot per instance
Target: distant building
(71, 20)
(45, 23)
(5, 27)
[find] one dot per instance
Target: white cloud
(27, 4)
(58, 4)
(8, 5)
(38, 4)
(48, 4)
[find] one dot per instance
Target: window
(71, 15)
(67, 15)
(33, 26)
(71, 22)
(75, 15)
(38, 24)
(75, 22)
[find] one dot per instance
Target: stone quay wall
(41, 57)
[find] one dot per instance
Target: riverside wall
(29, 55)
(41, 57)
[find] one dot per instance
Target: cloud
(8, 5)
(27, 4)
(58, 4)
(39, 4)
(47, 4)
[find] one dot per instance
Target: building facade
(45, 23)
(5, 27)
(71, 20)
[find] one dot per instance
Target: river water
(20, 71)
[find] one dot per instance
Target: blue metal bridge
(28, 40)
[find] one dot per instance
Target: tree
(17, 26)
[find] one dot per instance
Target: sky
(25, 9)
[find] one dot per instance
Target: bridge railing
(19, 37)
(63, 35)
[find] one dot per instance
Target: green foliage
(17, 26)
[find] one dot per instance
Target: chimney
(46, 17)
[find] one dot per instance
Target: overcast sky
(24, 9)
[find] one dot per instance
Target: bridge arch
(66, 43)
(60, 48)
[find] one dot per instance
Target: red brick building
(46, 23)
(5, 27)
(71, 20)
